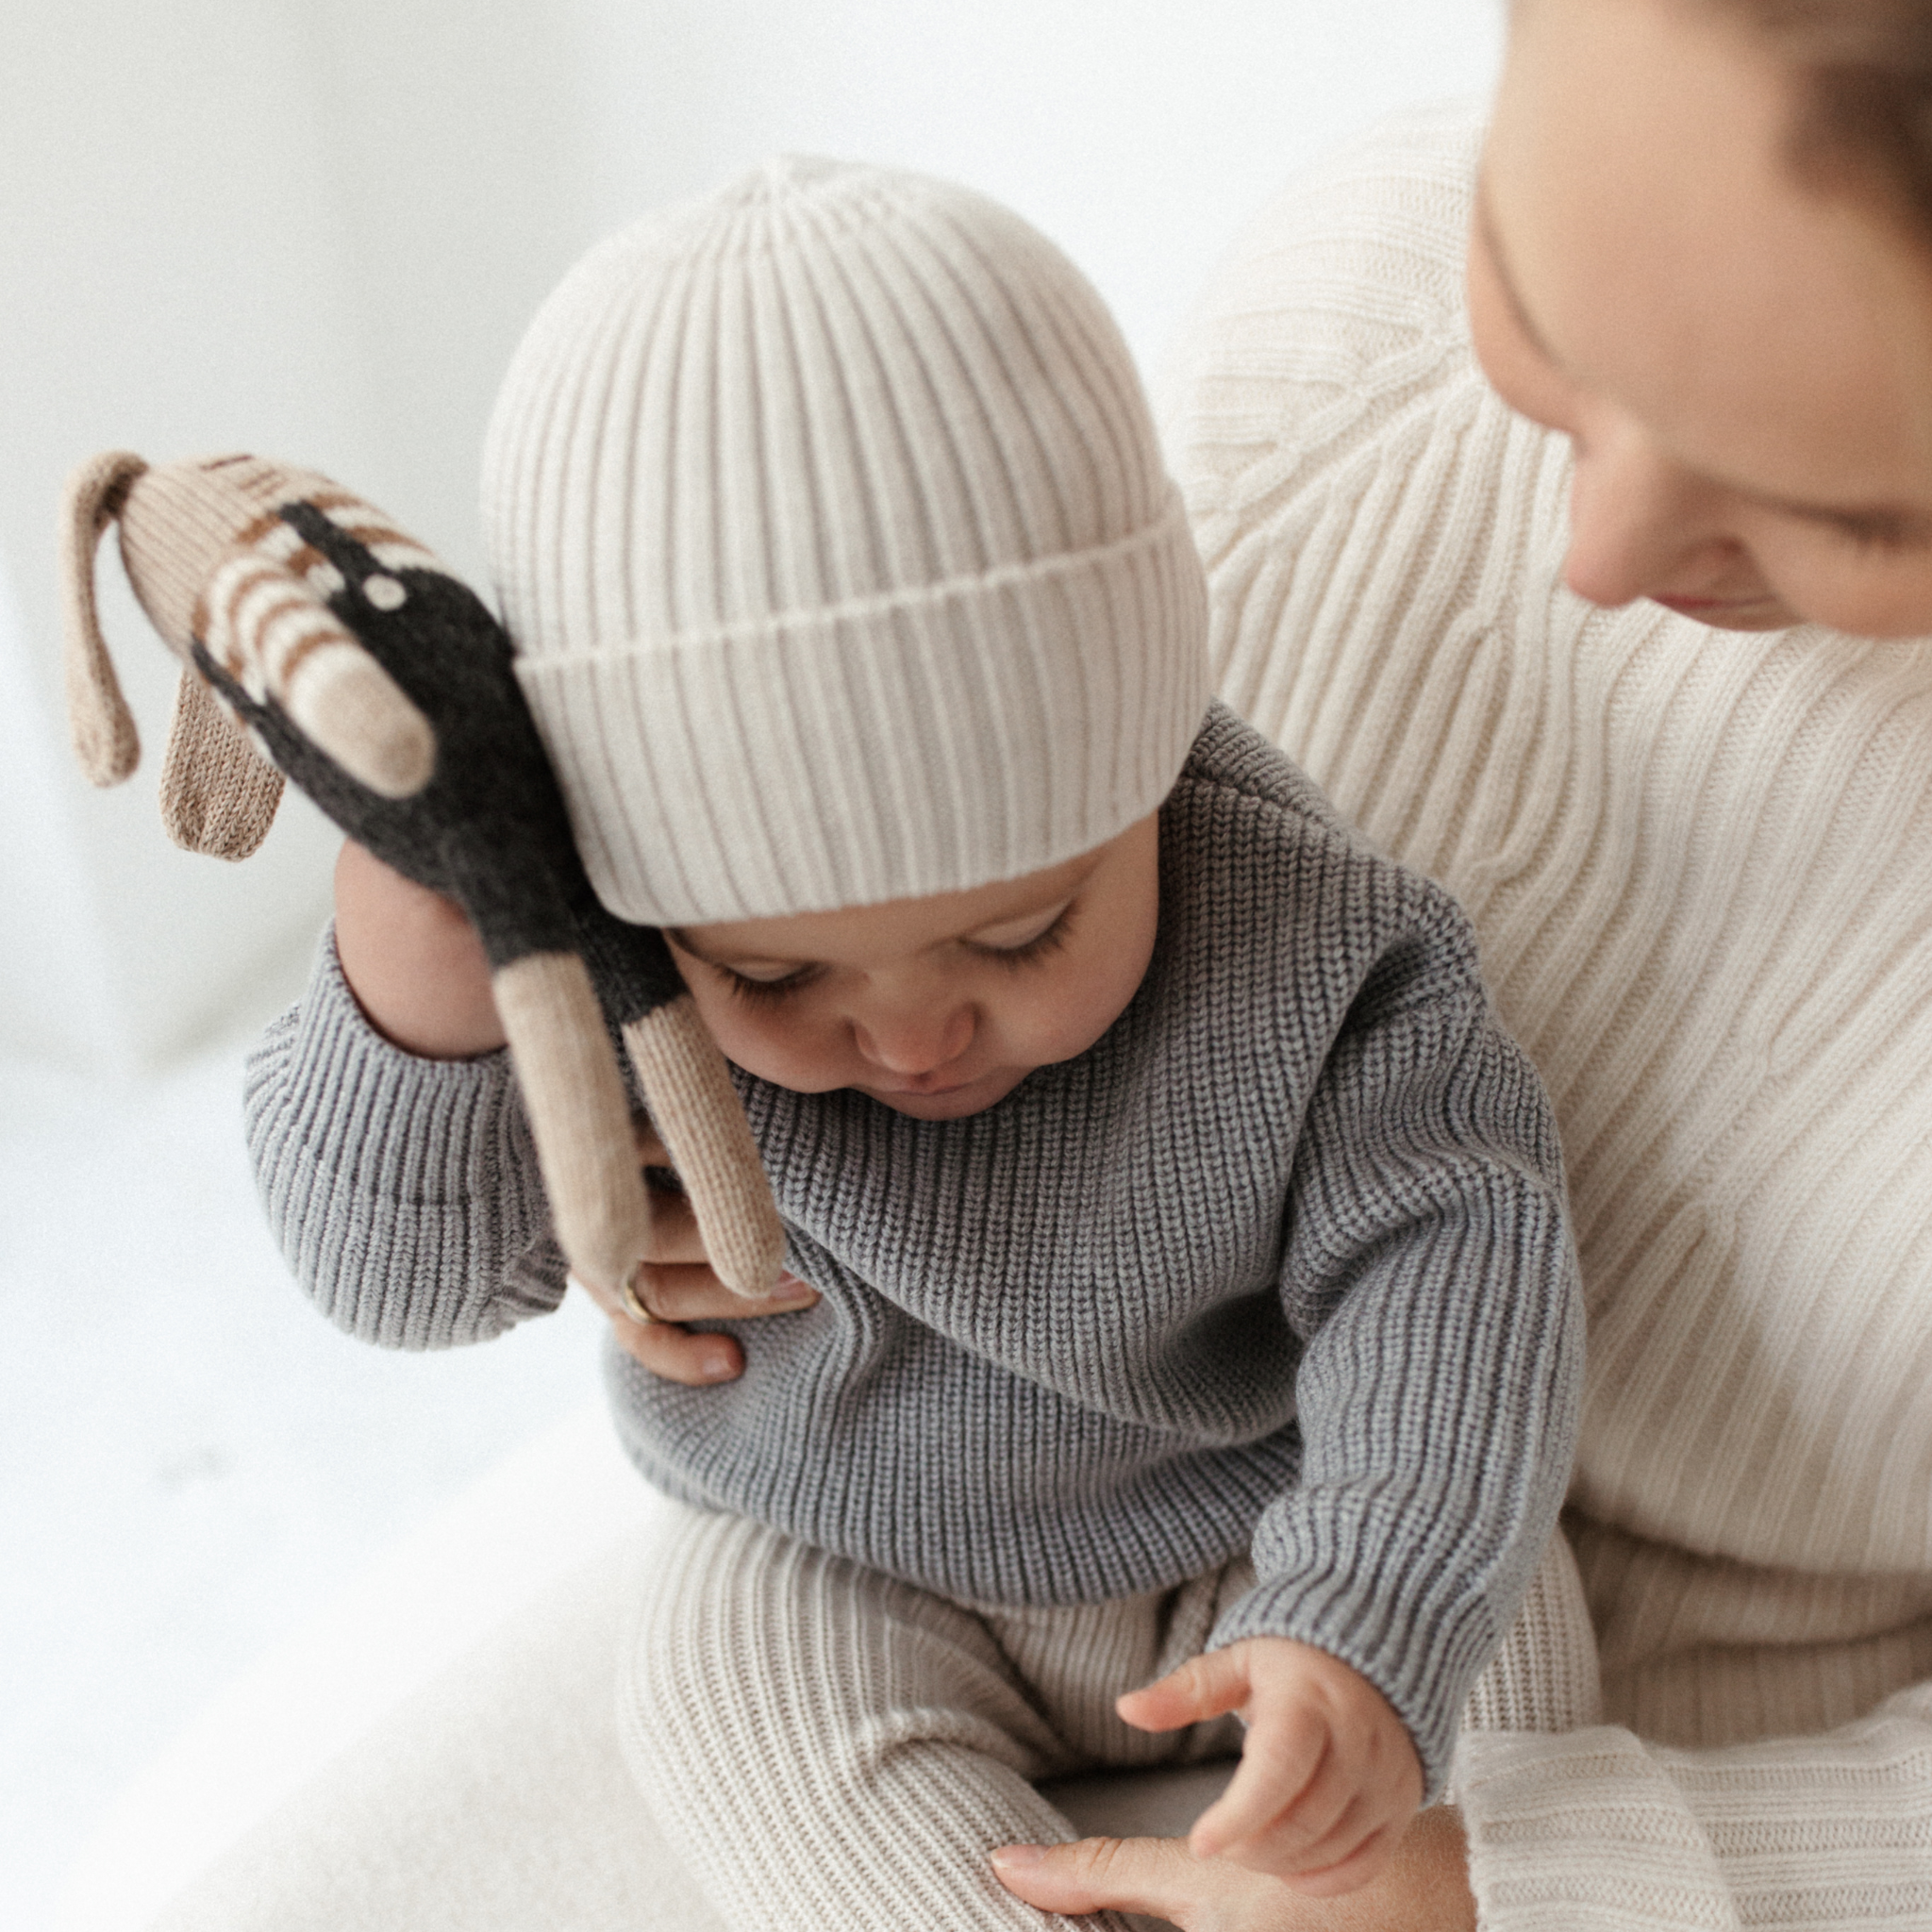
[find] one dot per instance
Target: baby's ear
(218, 793)
(104, 739)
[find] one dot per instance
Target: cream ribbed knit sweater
(1700, 864)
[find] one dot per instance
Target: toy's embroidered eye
(385, 592)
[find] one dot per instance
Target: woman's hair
(1864, 107)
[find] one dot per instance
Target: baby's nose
(913, 1039)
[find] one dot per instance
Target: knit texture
(832, 529)
(915, 1730)
(1281, 1261)
(1696, 861)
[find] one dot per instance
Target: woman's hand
(1424, 1888)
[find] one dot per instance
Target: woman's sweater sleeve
(1596, 1830)
(402, 1191)
(1575, 1825)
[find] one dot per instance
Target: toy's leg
(828, 1747)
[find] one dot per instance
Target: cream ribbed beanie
(832, 531)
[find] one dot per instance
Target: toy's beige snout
(211, 562)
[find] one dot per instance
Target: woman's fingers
(1154, 1875)
(676, 1294)
(684, 1292)
(1419, 1881)
(675, 1235)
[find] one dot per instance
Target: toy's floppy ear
(218, 793)
(235, 593)
(104, 739)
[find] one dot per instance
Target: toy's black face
(319, 624)
(490, 828)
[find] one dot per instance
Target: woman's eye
(1879, 535)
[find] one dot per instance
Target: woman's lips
(1711, 607)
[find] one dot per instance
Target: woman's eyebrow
(1893, 526)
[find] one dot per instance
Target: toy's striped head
(216, 564)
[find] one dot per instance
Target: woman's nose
(1640, 525)
(911, 1038)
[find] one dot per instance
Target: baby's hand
(1329, 1778)
(677, 1285)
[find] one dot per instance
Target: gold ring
(633, 1301)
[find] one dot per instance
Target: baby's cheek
(1040, 1033)
(789, 1049)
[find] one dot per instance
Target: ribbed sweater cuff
(1597, 1831)
(1584, 1832)
(372, 1165)
(1423, 1654)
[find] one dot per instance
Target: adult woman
(1703, 256)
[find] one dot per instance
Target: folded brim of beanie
(943, 737)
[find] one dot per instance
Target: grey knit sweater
(1281, 1261)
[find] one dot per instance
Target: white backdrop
(317, 232)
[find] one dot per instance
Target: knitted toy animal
(383, 687)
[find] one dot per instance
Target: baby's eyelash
(1051, 940)
(759, 992)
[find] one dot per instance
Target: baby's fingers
(1286, 1762)
(1347, 1857)
(1319, 1829)
(1204, 1687)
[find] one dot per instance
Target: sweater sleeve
(1430, 1271)
(1575, 1825)
(1342, 464)
(402, 1191)
(1596, 1830)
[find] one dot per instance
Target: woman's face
(1744, 364)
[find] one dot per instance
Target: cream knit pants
(829, 1748)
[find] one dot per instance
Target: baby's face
(936, 1007)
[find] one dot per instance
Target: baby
(1189, 1293)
